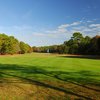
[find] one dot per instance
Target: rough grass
(39, 76)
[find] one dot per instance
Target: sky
(49, 22)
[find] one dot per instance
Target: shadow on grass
(23, 72)
(83, 56)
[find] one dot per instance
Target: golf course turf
(40, 76)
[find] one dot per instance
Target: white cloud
(69, 25)
(95, 25)
(75, 23)
(63, 26)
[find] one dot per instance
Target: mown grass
(39, 76)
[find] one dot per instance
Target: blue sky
(48, 22)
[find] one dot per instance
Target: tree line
(10, 45)
(77, 44)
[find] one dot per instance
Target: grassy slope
(69, 77)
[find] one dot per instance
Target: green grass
(68, 75)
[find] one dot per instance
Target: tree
(94, 45)
(74, 43)
(13, 45)
(25, 48)
(77, 36)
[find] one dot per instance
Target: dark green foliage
(78, 44)
(94, 45)
(77, 36)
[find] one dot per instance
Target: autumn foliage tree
(10, 45)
